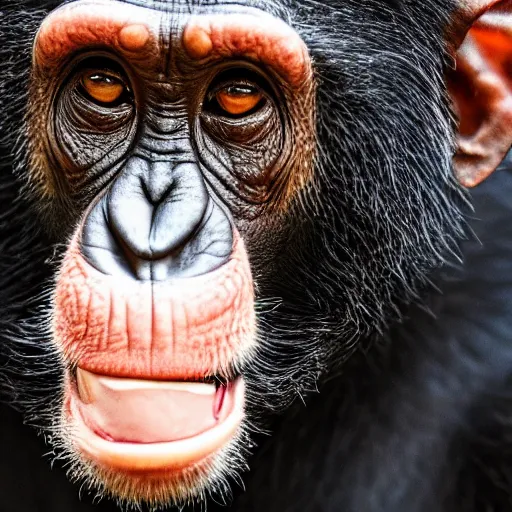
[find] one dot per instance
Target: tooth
(90, 385)
(84, 388)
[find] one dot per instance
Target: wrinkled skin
(327, 287)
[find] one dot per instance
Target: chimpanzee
(221, 220)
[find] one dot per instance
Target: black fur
(416, 419)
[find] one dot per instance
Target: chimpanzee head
(219, 202)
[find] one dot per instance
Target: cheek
(183, 329)
(85, 142)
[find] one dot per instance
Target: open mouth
(138, 425)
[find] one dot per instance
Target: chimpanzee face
(171, 144)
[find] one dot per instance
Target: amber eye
(238, 99)
(103, 88)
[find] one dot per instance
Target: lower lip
(154, 457)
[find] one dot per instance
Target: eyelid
(235, 83)
(116, 80)
(108, 73)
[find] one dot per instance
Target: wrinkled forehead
(183, 8)
(207, 6)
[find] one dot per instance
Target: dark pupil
(240, 90)
(102, 79)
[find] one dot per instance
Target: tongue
(143, 411)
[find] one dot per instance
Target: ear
(481, 89)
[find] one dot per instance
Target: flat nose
(158, 221)
(155, 208)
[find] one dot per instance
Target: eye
(239, 106)
(103, 87)
(238, 99)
